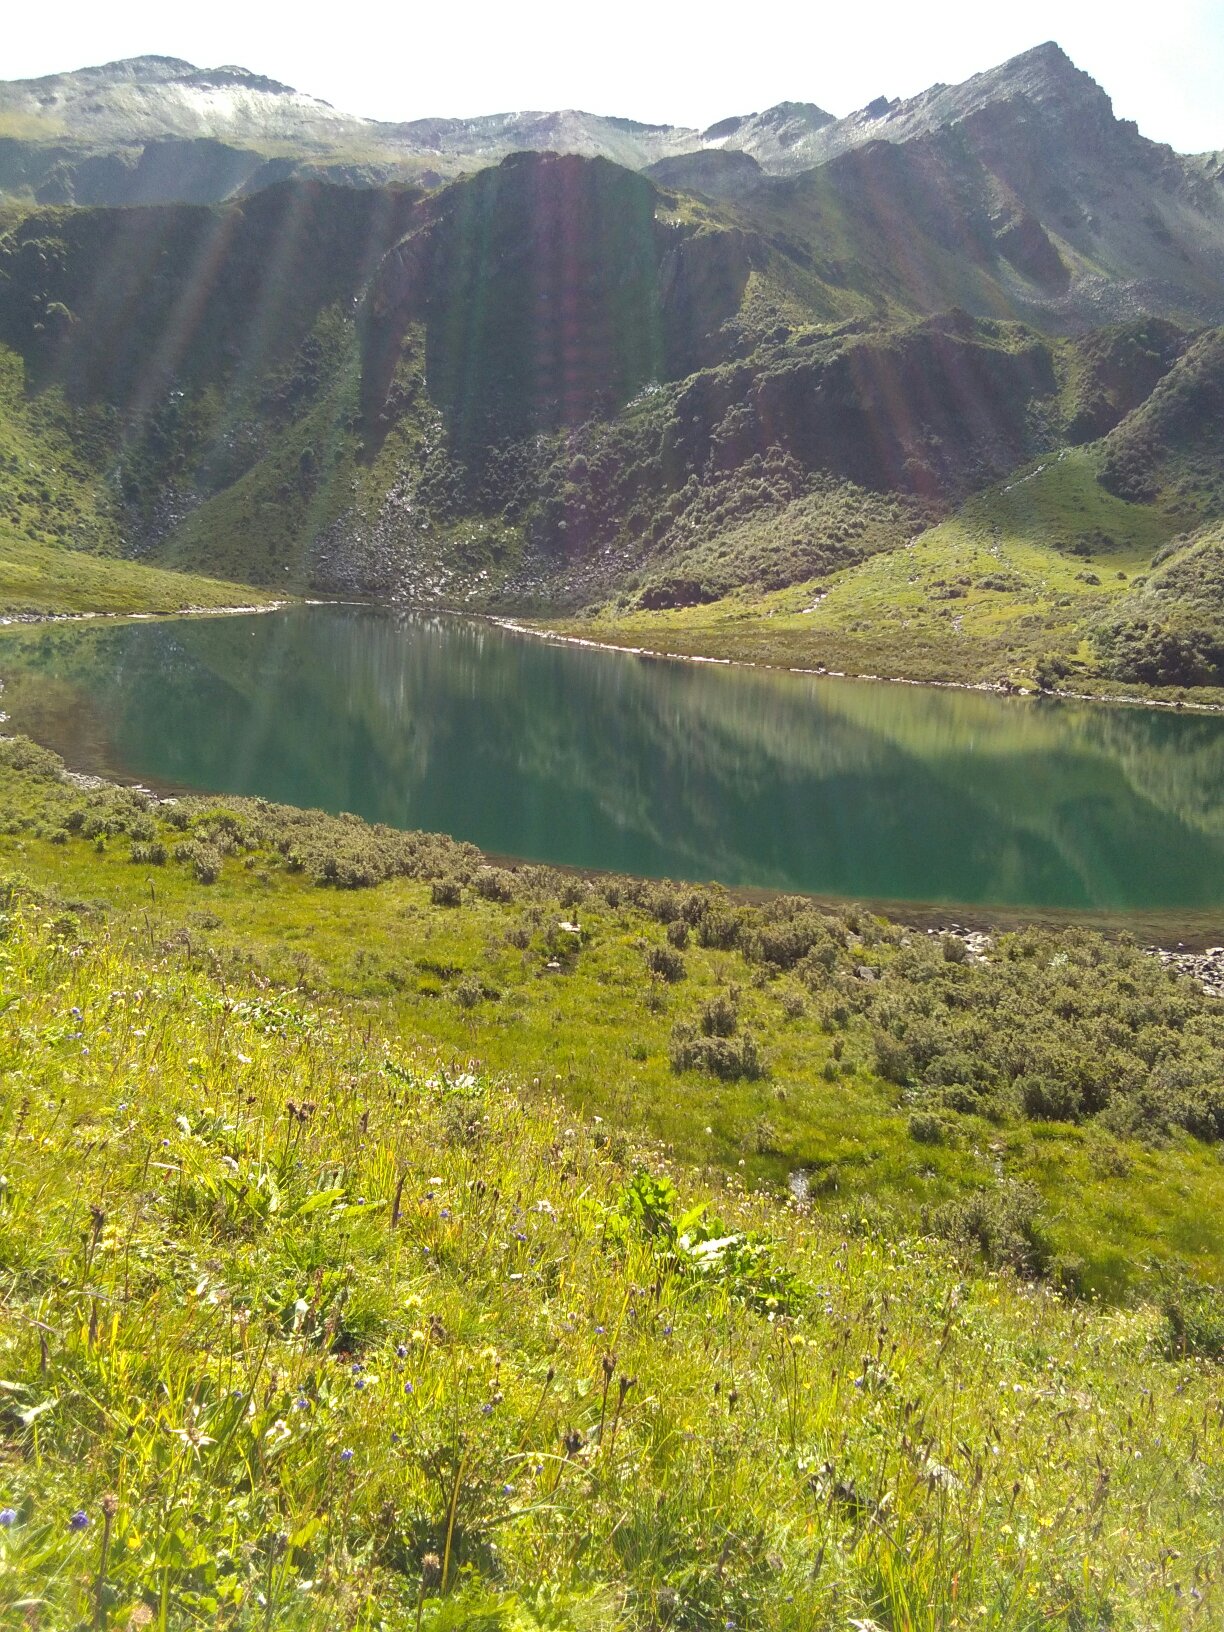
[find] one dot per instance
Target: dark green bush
(206, 862)
(925, 1128)
(1006, 1226)
(719, 1017)
(494, 884)
(726, 1057)
(665, 962)
(1193, 1322)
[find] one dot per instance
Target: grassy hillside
(42, 578)
(1022, 573)
(767, 1040)
(318, 1316)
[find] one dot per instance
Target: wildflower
(359, 1382)
(79, 1520)
(301, 1404)
(191, 1435)
(507, 1490)
(401, 1351)
(8, 1515)
(346, 1455)
(408, 1389)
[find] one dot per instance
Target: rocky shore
(1205, 967)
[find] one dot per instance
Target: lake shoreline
(27, 620)
(518, 626)
(985, 687)
(1183, 932)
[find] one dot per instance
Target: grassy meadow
(38, 579)
(313, 1320)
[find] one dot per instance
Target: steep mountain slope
(1024, 172)
(601, 378)
(557, 381)
(1173, 444)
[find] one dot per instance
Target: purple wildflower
(79, 1520)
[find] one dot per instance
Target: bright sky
(665, 61)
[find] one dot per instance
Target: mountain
(568, 378)
(160, 130)
(81, 136)
(1022, 170)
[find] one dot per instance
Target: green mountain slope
(557, 384)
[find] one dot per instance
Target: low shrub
(665, 962)
(728, 1058)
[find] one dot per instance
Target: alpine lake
(936, 800)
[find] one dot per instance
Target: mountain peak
(1038, 72)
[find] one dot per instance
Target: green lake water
(606, 760)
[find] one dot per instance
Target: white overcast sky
(666, 61)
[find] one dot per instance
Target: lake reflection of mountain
(601, 759)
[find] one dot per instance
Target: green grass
(51, 458)
(45, 578)
(1021, 572)
(311, 1324)
(499, 980)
